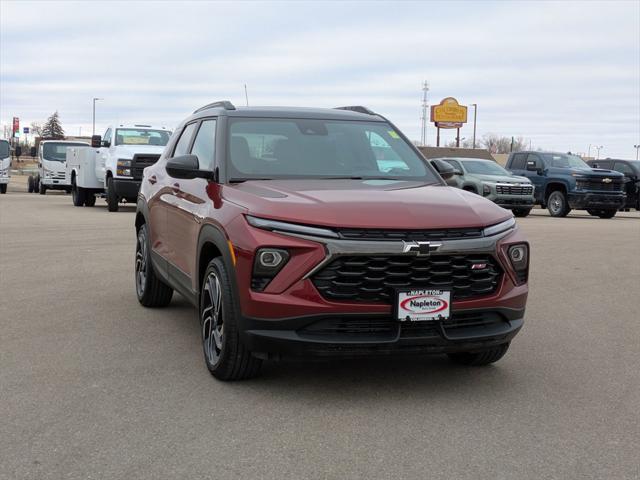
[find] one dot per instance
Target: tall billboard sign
(16, 127)
(449, 114)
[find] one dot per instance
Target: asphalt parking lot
(92, 385)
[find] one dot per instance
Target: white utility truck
(52, 155)
(112, 166)
(5, 164)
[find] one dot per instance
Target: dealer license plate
(423, 305)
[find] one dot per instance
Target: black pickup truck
(631, 170)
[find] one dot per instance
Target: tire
(225, 355)
(602, 213)
(89, 200)
(36, 184)
(150, 290)
(3, 188)
(112, 198)
(78, 195)
(557, 204)
(30, 184)
(41, 188)
(477, 359)
(521, 212)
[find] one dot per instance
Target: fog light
(268, 262)
(519, 257)
(270, 258)
(486, 189)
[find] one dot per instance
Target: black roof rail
(357, 108)
(226, 104)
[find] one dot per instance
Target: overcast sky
(564, 74)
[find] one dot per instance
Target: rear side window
(623, 168)
(204, 144)
(519, 161)
(182, 148)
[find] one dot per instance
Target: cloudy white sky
(564, 74)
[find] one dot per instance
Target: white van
(5, 164)
(52, 157)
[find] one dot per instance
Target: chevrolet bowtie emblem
(422, 249)
(606, 180)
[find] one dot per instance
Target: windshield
(276, 148)
(563, 160)
(4, 149)
(57, 152)
(484, 167)
(135, 136)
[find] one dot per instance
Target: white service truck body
(5, 165)
(113, 165)
(52, 156)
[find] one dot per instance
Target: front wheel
(112, 198)
(521, 212)
(477, 359)
(557, 204)
(150, 290)
(226, 356)
(3, 188)
(42, 188)
(36, 184)
(30, 184)
(602, 212)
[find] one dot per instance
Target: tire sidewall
(560, 212)
(144, 233)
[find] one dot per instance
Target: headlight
(486, 189)
(47, 174)
(519, 257)
(124, 163)
(500, 227)
(123, 168)
(276, 226)
(124, 172)
(266, 265)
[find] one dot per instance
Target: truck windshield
(57, 152)
(135, 136)
(4, 149)
(280, 148)
(486, 167)
(562, 160)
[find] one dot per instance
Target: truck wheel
(3, 188)
(112, 199)
(226, 356)
(521, 212)
(41, 188)
(557, 204)
(151, 291)
(77, 194)
(477, 359)
(30, 184)
(602, 213)
(89, 199)
(36, 184)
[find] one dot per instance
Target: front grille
(374, 278)
(514, 189)
(409, 235)
(598, 185)
(141, 161)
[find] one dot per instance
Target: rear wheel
(477, 359)
(521, 212)
(150, 290)
(557, 204)
(225, 355)
(30, 184)
(42, 188)
(36, 184)
(78, 195)
(112, 198)
(602, 212)
(89, 200)
(3, 188)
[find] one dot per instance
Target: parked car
(52, 158)
(631, 170)
(113, 165)
(487, 178)
(564, 181)
(281, 226)
(5, 165)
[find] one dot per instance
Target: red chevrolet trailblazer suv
(323, 232)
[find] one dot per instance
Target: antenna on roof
(246, 95)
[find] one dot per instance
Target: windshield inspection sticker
(393, 134)
(424, 305)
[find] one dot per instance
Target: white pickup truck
(5, 164)
(52, 155)
(112, 166)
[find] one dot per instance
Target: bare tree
(497, 144)
(464, 143)
(36, 129)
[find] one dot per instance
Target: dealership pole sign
(16, 127)
(449, 114)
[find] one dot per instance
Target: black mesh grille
(599, 185)
(140, 162)
(514, 189)
(409, 235)
(374, 278)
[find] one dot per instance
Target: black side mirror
(445, 169)
(187, 167)
(96, 141)
(595, 165)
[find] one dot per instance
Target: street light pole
(93, 131)
(637, 147)
(589, 152)
(598, 149)
(475, 117)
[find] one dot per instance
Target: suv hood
(501, 178)
(128, 151)
(365, 204)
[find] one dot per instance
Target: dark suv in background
(564, 181)
(293, 234)
(631, 170)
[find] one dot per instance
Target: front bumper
(513, 201)
(127, 188)
(55, 183)
(4, 180)
(366, 335)
(596, 200)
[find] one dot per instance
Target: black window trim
(190, 145)
(200, 121)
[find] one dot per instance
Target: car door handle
(152, 179)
